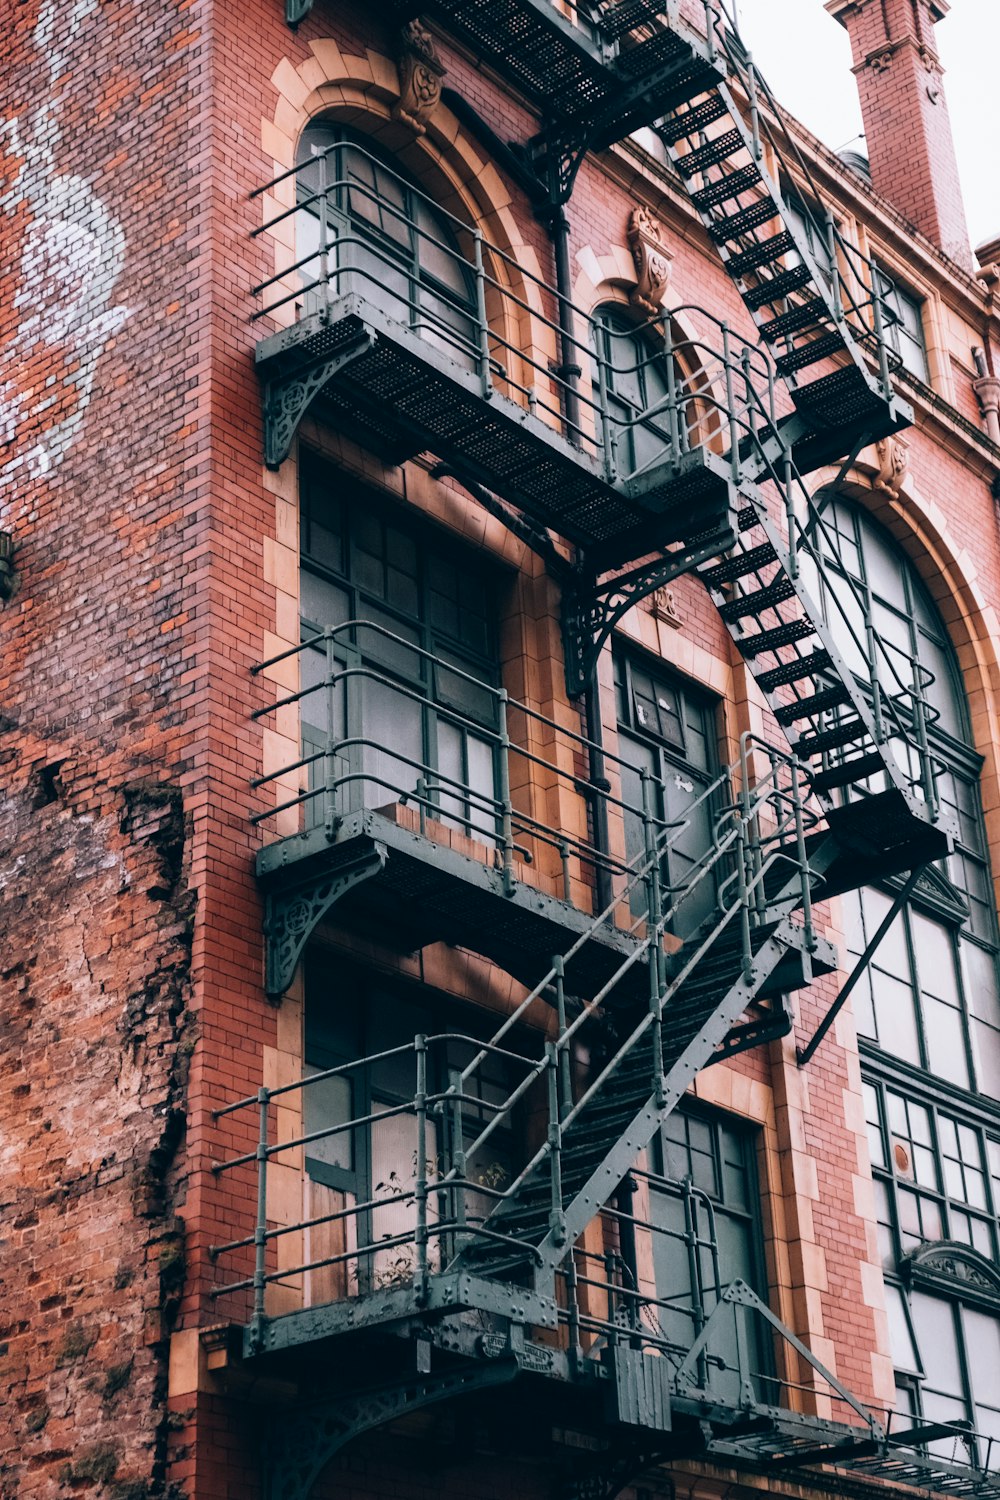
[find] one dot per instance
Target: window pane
(934, 1322)
(904, 1353)
(326, 1105)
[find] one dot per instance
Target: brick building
(501, 800)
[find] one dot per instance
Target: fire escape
(485, 1280)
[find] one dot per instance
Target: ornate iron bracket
(301, 1444)
(292, 913)
(592, 606)
(288, 397)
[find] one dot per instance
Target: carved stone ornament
(880, 62)
(955, 1264)
(651, 259)
(664, 607)
(893, 457)
(420, 75)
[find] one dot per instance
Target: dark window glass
(639, 389)
(667, 729)
(364, 563)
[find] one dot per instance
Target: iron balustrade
(763, 813)
(707, 371)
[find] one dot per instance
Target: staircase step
(726, 188)
(626, 15)
(682, 127)
(740, 565)
(734, 226)
(848, 773)
(794, 671)
(752, 646)
(777, 287)
(806, 708)
(841, 396)
(763, 599)
(808, 745)
(809, 315)
(748, 518)
(764, 253)
(809, 354)
(717, 150)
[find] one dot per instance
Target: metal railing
(860, 291)
(441, 1189)
(441, 281)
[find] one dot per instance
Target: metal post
(420, 791)
(260, 1228)
(569, 371)
(330, 817)
(694, 1276)
(457, 1163)
(506, 806)
(746, 361)
(871, 646)
(883, 353)
(835, 287)
(420, 1175)
(654, 931)
(557, 1218)
(573, 1309)
(793, 541)
(670, 369)
(485, 374)
(600, 787)
(805, 872)
(734, 432)
(564, 861)
(744, 895)
(565, 1089)
(923, 748)
(324, 229)
(609, 444)
(754, 109)
(713, 49)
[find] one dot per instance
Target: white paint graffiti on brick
(71, 257)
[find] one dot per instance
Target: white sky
(806, 58)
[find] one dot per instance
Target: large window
(667, 729)
(904, 326)
(931, 996)
(400, 715)
(937, 1184)
(707, 1211)
(638, 389)
(388, 242)
(360, 1172)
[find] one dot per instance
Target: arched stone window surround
(360, 92)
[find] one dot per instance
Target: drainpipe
(569, 370)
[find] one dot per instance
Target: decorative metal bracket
(592, 606)
(287, 398)
(301, 1444)
(292, 913)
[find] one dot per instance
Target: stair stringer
(835, 672)
(601, 1184)
(742, 255)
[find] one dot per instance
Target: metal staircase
(823, 323)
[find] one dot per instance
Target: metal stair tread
(719, 149)
(811, 314)
(794, 671)
(776, 288)
(733, 226)
(834, 738)
(694, 119)
(778, 592)
(763, 253)
(848, 772)
(809, 354)
(740, 565)
(805, 708)
(771, 640)
(726, 188)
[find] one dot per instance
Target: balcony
(602, 70)
(400, 324)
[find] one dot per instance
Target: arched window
(930, 996)
(639, 383)
(385, 239)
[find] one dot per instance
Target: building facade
(499, 573)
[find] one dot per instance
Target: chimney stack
(905, 114)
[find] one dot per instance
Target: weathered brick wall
(98, 475)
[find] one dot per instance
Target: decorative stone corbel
(420, 75)
(651, 259)
(664, 607)
(893, 456)
(987, 389)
